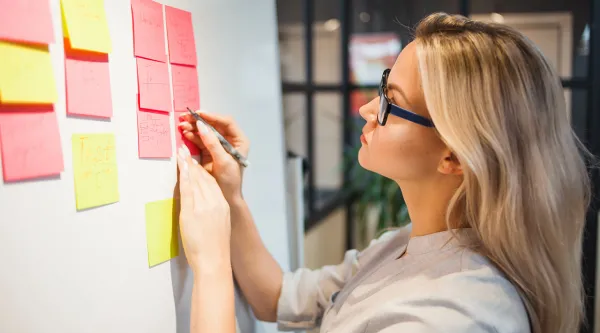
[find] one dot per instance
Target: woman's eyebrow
(393, 86)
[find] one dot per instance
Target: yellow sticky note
(161, 231)
(26, 75)
(95, 170)
(84, 23)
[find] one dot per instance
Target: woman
(471, 123)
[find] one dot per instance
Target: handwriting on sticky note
(95, 170)
(26, 21)
(180, 139)
(153, 83)
(26, 75)
(185, 87)
(86, 26)
(161, 231)
(180, 36)
(154, 134)
(148, 30)
(88, 86)
(30, 144)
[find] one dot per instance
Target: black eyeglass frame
(386, 107)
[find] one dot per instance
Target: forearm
(212, 308)
(256, 271)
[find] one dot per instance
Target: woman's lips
(363, 140)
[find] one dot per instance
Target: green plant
(377, 197)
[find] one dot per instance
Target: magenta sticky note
(180, 36)
(148, 30)
(87, 81)
(153, 85)
(30, 144)
(28, 21)
(154, 134)
(185, 87)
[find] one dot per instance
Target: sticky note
(154, 134)
(180, 139)
(86, 26)
(95, 170)
(87, 81)
(26, 75)
(161, 231)
(148, 30)
(185, 87)
(30, 144)
(26, 21)
(153, 85)
(180, 37)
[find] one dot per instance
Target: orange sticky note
(30, 144)
(180, 139)
(154, 134)
(87, 81)
(148, 30)
(180, 36)
(153, 85)
(185, 87)
(26, 21)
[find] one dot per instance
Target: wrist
(214, 265)
(236, 201)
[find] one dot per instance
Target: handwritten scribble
(88, 87)
(180, 35)
(154, 134)
(148, 30)
(153, 82)
(185, 87)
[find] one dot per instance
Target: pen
(226, 145)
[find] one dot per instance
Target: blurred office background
(332, 54)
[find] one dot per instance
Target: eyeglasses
(386, 107)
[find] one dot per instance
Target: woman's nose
(369, 111)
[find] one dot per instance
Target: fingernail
(194, 161)
(181, 153)
(186, 151)
(201, 127)
(182, 123)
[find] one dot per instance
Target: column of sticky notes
(29, 133)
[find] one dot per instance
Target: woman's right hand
(222, 166)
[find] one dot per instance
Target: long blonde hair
(499, 106)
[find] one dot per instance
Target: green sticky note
(161, 231)
(95, 170)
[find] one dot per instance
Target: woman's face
(401, 150)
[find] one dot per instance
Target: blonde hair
(499, 106)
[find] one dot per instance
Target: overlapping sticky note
(148, 30)
(27, 21)
(180, 139)
(180, 35)
(154, 134)
(26, 75)
(185, 87)
(153, 84)
(85, 26)
(30, 144)
(87, 81)
(161, 231)
(95, 170)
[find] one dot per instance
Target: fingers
(185, 187)
(200, 183)
(212, 144)
(225, 124)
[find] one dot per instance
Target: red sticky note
(26, 21)
(148, 30)
(180, 36)
(185, 87)
(154, 134)
(87, 81)
(153, 85)
(179, 138)
(30, 144)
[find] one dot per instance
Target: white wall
(67, 271)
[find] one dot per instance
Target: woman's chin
(363, 158)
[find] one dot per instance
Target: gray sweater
(423, 284)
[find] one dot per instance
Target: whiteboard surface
(67, 271)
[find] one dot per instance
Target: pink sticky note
(87, 82)
(154, 134)
(148, 30)
(30, 144)
(153, 85)
(26, 21)
(185, 87)
(179, 138)
(180, 36)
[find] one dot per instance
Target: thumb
(211, 142)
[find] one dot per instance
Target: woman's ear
(449, 164)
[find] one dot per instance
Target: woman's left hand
(204, 218)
